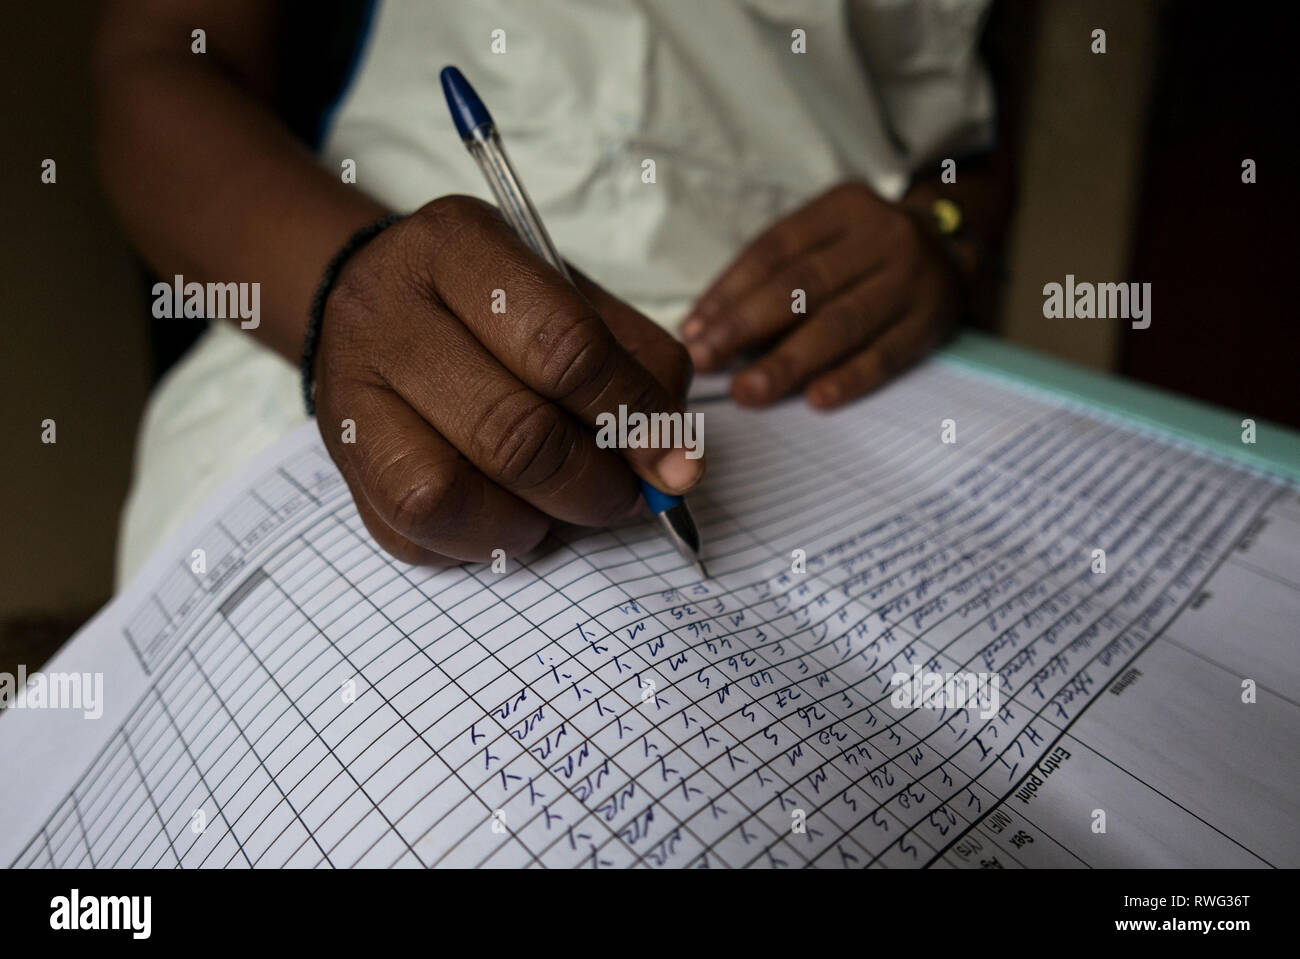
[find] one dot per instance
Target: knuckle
(524, 444)
(443, 224)
(424, 507)
(573, 353)
(450, 209)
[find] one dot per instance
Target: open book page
(305, 700)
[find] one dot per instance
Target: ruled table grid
(313, 702)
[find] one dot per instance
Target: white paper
(310, 702)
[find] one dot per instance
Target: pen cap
(467, 110)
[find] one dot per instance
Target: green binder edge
(1276, 449)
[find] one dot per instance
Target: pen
(476, 129)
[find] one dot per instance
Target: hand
(475, 429)
(881, 292)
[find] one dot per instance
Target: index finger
(802, 231)
(542, 329)
(645, 341)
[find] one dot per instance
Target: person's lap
(226, 400)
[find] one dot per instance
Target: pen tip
(701, 570)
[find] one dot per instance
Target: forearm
(210, 185)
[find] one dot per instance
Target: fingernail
(692, 328)
(677, 472)
(701, 354)
(753, 386)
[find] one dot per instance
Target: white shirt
(740, 127)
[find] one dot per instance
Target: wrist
(939, 222)
(316, 315)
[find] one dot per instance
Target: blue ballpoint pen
(476, 129)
